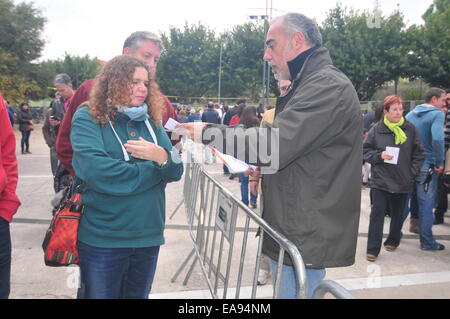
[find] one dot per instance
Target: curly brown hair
(112, 88)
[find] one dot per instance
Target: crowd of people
(107, 137)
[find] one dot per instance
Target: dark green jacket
(124, 201)
(313, 197)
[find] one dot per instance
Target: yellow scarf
(400, 136)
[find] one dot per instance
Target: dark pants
(25, 141)
(5, 259)
(116, 273)
(381, 199)
(441, 198)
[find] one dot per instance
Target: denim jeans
(25, 141)
(244, 190)
(5, 259)
(288, 280)
(116, 273)
(423, 203)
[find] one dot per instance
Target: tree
(430, 53)
(243, 61)
(368, 55)
(189, 65)
(20, 43)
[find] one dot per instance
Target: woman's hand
(386, 156)
(146, 150)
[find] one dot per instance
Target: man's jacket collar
(296, 65)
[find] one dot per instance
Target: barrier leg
(183, 265)
(176, 209)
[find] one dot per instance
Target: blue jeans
(25, 141)
(116, 273)
(244, 190)
(5, 259)
(423, 203)
(288, 280)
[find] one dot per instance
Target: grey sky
(99, 27)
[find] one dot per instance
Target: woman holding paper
(125, 158)
(394, 150)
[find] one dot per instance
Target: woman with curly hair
(124, 159)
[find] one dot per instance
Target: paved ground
(406, 273)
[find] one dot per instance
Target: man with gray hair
(55, 115)
(314, 196)
(143, 45)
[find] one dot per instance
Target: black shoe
(438, 247)
(232, 176)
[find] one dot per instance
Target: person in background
(9, 202)
(235, 119)
(365, 165)
(124, 196)
(194, 116)
(442, 193)
(182, 117)
(218, 109)
(429, 121)
(55, 115)
(63, 85)
(232, 112)
(391, 182)
(248, 119)
(10, 113)
(25, 121)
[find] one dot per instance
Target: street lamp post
(220, 71)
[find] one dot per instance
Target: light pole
(220, 71)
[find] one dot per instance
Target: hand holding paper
(391, 155)
(171, 124)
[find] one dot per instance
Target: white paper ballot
(234, 165)
(171, 124)
(393, 151)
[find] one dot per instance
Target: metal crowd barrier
(219, 226)
(332, 287)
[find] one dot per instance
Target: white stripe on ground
(349, 284)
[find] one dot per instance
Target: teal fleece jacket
(124, 201)
(429, 121)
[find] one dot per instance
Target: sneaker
(371, 257)
(438, 247)
(254, 205)
(263, 277)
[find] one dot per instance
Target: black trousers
(381, 200)
(5, 259)
(441, 198)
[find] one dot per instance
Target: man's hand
(54, 122)
(439, 169)
(193, 130)
(254, 187)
